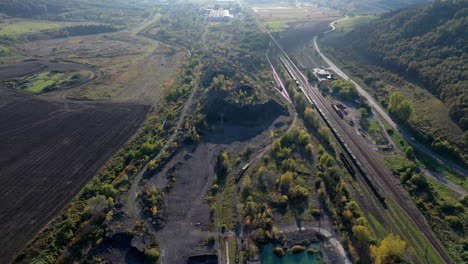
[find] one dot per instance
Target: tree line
(427, 44)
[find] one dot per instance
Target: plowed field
(49, 150)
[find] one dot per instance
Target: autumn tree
(285, 181)
(311, 117)
(298, 198)
(391, 250)
(363, 238)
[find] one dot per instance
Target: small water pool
(268, 257)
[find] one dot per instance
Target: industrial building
(220, 15)
(323, 74)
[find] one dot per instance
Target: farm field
(146, 132)
(296, 27)
(68, 105)
(50, 151)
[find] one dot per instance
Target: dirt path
(185, 208)
(132, 203)
(438, 177)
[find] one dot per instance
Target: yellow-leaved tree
(391, 250)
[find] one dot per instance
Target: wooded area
(427, 44)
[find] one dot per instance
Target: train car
(338, 111)
(347, 165)
(242, 171)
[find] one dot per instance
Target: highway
(377, 108)
(370, 162)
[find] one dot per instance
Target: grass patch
(279, 25)
(352, 22)
(423, 160)
(25, 27)
(378, 227)
(415, 234)
(47, 81)
(372, 127)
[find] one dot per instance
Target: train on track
(347, 165)
(369, 179)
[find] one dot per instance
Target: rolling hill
(367, 6)
(428, 44)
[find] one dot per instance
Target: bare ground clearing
(99, 46)
(194, 170)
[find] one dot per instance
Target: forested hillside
(428, 44)
(367, 6)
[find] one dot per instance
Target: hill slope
(428, 44)
(367, 6)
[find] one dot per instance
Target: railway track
(369, 163)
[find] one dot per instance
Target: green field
(279, 25)
(24, 27)
(38, 83)
(352, 22)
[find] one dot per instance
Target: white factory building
(220, 15)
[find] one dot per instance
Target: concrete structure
(323, 74)
(220, 15)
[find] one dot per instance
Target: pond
(268, 257)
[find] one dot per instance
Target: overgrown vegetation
(345, 90)
(151, 201)
(399, 41)
(446, 214)
(47, 81)
(78, 229)
(416, 47)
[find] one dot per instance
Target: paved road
(380, 110)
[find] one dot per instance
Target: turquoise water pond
(268, 257)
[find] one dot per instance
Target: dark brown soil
(49, 151)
